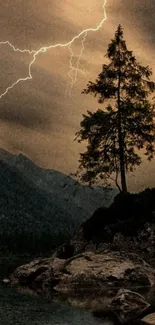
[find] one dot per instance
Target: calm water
(23, 309)
(18, 308)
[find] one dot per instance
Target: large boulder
(37, 272)
(86, 272)
(94, 271)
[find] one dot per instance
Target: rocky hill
(40, 208)
(127, 225)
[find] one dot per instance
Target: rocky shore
(111, 252)
(86, 271)
(93, 273)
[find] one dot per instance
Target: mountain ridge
(43, 200)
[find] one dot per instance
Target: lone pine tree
(116, 134)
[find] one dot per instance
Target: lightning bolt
(73, 69)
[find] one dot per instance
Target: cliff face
(39, 208)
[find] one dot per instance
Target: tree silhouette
(116, 134)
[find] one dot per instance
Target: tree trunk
(122, 165)
(121, 141)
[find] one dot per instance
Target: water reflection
(23, 306)
(18, 308)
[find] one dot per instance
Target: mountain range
(40, 208)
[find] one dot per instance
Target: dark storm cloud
(32, 24)
(22, 23)
(33, 106)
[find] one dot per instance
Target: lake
(21, 308)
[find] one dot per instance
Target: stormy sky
(35, 116)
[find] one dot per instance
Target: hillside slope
(40, 208)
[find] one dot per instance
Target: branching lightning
(73, 69)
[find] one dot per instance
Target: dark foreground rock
(129, 305)
(89, 274)
(126, 306)
(86, 272)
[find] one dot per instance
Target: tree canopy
(116, 134)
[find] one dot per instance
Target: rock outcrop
(126, 306)
(127, 225)
(129, 305)
(86, 272)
